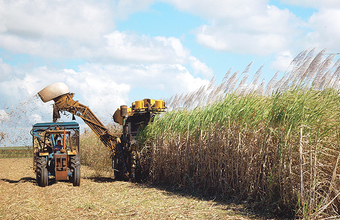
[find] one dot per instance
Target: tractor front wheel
(42, 172)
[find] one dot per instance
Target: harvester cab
(61, 163)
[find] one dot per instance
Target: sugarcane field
(170, 109)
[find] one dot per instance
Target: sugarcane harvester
(123, 148)
(133, 119)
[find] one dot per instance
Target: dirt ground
(98, 198)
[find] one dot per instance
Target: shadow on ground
(31, 180)
(22, 180)
(239, 207)
(101, 179)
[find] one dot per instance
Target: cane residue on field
(98, 198)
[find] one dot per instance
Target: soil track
(97, 198)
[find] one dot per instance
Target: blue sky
(112, 52)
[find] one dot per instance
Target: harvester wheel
(75, 166)
(42, 173)
(118, 168)
(138, 170)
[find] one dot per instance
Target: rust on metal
(61, 167)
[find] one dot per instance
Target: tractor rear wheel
(75, 167)
(42, 172)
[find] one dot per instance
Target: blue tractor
(61, 162)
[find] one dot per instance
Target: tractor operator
(58, 147)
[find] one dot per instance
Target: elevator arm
(66, 103)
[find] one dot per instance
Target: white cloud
(3, 115)
(65, 28)
(313, 3)
(36, 19)
(100, 92)
(68, 29)
(123, 8)
(133, 48)
(87, 32)
(5, 70)
(53, 29)
(245, 27)
(282, 61)
(254, 27)
(270, 31)
(35, 118)
(169, 78)
(325, 30)
(101, 87)
(186, 80)
(200, 67)
(219, 8)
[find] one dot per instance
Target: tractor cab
(61, 161)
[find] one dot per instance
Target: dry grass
(15, 152)
(95, 155)
(98, 198)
